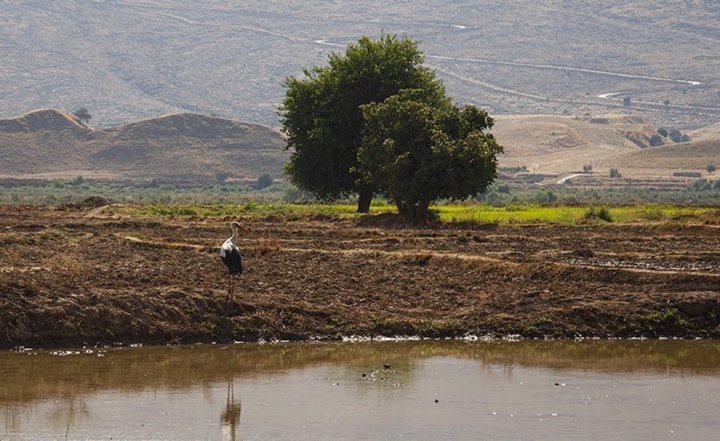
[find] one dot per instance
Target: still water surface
(450, 390)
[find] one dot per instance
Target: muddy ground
(78, 275)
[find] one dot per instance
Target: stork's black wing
(233, 260)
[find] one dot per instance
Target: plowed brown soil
(76, 276)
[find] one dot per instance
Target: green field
(566, 206)
(475, 213)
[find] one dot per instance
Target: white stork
(231, 257)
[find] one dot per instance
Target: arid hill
(52, 144)
(702, 150)
(564, 144)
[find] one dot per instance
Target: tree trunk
(365, 196)
(423, 210)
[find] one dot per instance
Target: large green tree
(418, 153)
(321, 115)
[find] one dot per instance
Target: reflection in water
(230, 417)
(366, 390)
(69, 410)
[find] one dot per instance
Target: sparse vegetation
(655, 140)
(602, 213)
(513, 169)
(701, 185)
(264, 181)
(221, 176)
(677, 136)
(83, 115)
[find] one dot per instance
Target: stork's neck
(235, 235)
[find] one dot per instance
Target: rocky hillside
(52, 144)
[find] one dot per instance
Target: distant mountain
(127, 60)
(52, 144)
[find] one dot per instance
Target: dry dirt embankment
(72, 277)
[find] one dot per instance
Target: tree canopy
(375, 120)
(418, 153)
(321, 115)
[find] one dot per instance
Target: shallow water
(450, 390)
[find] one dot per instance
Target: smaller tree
(627, 101)
(675, 135)
(656, 140)
(503, 188)
(221, 176)
(264, 181)
(419, 153)
(587, 168)
(701, 185)
(82, 115)
(711, 168)
(615, 173)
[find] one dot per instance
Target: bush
(264, 181)
(503, 188)
(82, 115)
(656, 140)
(602, 213)
(711, 168)
(615, 173)
(587, 168)
(701, 185)
(546, 197)
(222, 176)
(653, 214)
(675, 135)
(663, 132)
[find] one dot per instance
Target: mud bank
(82, 277)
